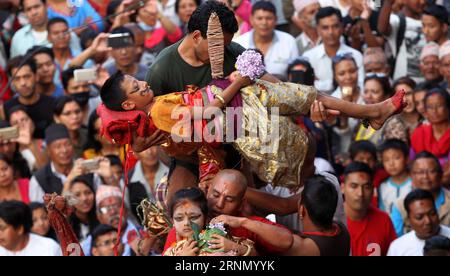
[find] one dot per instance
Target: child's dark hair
(112, 93)
(395, 144)
(363, 146)
(194, 195)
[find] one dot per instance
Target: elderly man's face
(429, 67)
(109, 212)
(424, 218)
(224, 197)
(425, 175)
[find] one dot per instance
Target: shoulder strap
(400, 34)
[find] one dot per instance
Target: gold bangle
(220, 98)
(249, 249)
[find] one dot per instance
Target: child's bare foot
(389, 107)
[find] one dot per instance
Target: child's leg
(376, 113)
(289, 98)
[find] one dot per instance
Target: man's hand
(140, 144)
(102, 76)
(206, 182)
(233, 222)
(100, 44)
(318, 113)
(123, 17)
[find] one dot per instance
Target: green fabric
(170, 73)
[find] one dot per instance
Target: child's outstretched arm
(227, 95)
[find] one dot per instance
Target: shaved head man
(226, 193)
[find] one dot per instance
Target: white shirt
(37, 246)
(389, 193)
(323, 69)
(282, 51)
(408, 59)
(410, 245)
(26, 38)
(36, 193)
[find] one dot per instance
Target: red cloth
(118, 125)
(423, 139)
(24, 189)
(160, 34)
(374, 231)
(3, 83)
(261, 246)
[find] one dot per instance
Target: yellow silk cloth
(275, 151)
(276, 159)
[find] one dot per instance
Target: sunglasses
(340, 57)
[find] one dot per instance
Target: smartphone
(120, 40)
(83, 75)
(91, 164)
(9, 133)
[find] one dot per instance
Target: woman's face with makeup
(185, 213)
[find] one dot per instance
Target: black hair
(338, 59)
(36, 206)
(85, 36)
(326, 12)
(99, 231)
(112, 7)
(19, 62)
(428, 155)
(16, 214)
(437, 11)
(123, 30)
(200, 17)
(112, 93)
(309, 73)
(194, 195)
(22, 7)
(265, 6)
(177, 4)
(405, 81)
(36, 50)
(17, 108)
(384, 83)
(92, 143)
(114, 160)
(358, 167)
(61, 103)
(438, 91)
(415, 195)
(363, 146)
(424, 86)
(395, 144)
(92, 215)
(320, 199)
(437, 246)
(56, 20)
(67, 75)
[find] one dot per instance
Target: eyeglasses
(340, 57)
(104, 210)
(375, 75)
(107, 243)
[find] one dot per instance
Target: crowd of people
(363, 189)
